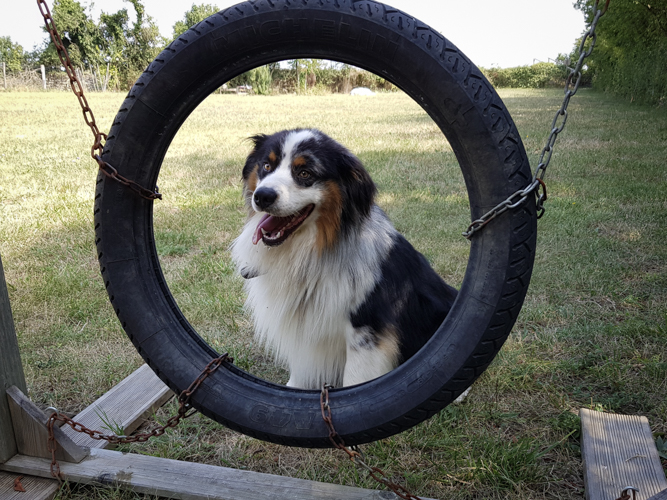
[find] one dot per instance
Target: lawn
(592, 333)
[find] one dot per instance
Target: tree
(79, 34)
(144, 42)
(629, 22)
(195, 15)
(114, 29)
(12, 54)
(630, 56)
(112, 47)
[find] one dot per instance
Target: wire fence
(38, 78)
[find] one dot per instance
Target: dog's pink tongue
(269, 223)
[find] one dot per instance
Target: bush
(638, 75)
(630, 54)
(538, 76)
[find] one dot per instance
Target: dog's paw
(462, 396)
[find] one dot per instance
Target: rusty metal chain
(354, 453)
(98, 145)
(557, 126)
(185, 410)
(18, 486)
(626, 496)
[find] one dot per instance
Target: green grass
(592, 332)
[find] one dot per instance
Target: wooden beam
(188, 481)
(11, 370)
(31, 433)
(619, 451)
(36, 488)
(660, 496)
(125, 406)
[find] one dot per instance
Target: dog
(336, 293)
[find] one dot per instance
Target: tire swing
(460, 101)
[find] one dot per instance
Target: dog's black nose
(265, 197)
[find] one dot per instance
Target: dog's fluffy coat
(336, 293)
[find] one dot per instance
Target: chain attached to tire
(557, 126)
(354, 453)
(625, 494)
(185, 410)
(77, 88)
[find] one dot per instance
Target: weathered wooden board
(36, 488)
(619, 451)
(31, 434)
(660, 496)
(125, 406)
(11, 371)
(188, 481)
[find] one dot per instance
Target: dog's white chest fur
(301, 301)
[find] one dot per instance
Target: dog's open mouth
(273, 230)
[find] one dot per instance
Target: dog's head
(302, 176)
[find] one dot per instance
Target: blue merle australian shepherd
(337, 295)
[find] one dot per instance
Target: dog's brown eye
(267, 167)
(304, 174)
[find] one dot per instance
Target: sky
(492, 33)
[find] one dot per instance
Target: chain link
(625, 495)
(557, 125)
(77, 88)
(354, 453)
(185, 410)
(18, 486)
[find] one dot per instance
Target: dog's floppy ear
(358, 188)
(257, 141)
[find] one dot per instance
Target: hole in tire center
(418, 177)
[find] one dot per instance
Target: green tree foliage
(114, 46)
(630, 55)
(195, 15)
(144, 43)
(12, 54)
(78, 32)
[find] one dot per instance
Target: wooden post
(11, 371)
(4, 75)
(43, 75)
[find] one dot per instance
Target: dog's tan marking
(299, 161)
(252, 180)
(388, 344)
(273, 157)
(328, 223)
(250, 186)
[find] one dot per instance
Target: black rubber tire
(458, 98)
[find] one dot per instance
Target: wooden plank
(660, 496)
(619, 451)
(11, 370)
(188, 481)
(125, 406)
(36, 488)
(31, 433)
